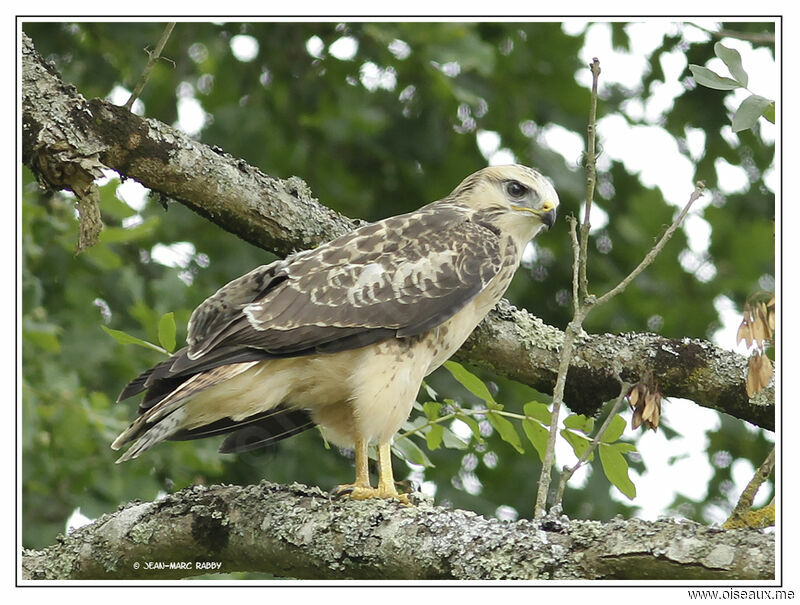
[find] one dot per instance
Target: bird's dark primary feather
(267, 432)
(260, 430)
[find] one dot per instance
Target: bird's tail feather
(147, 439)
(167, 417)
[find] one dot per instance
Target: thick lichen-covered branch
(66, 137)
(68, 140)
(300, 532)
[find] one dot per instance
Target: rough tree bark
(67, 141)
(300, 532)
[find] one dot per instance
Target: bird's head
(518, 199)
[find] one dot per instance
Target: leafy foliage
(753, 107)
(378, 118)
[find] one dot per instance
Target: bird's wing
(218, 310)
(398, 277)
(395, 278)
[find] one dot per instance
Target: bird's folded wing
(402, 276)
(397, 277)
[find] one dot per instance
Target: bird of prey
(342, 336)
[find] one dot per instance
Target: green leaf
(469, 381)
(752, 108)
(431, 409)
(408, 450)
(733, 60)
(452, 441)
(506, 430)
(579, 422)
(434, 435)
(430, 391)
(126, 339)
(537, 410)
(166, 331)
(579, 443)
(769, 113)
(537, 435)
(708, 78)
(615, 429)
(615, 468)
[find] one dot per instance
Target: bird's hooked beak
(546, 214)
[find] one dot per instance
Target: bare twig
(583, 302)
(154, 56)
(651, 256)
(748, 495)
(567, 472)
(591, 164)
(580, 296)
(582, 309)
(573, 329)
(576, 255)
(591, 178)
(570, 335)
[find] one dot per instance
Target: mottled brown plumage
(343, 335)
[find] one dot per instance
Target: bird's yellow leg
(361, 489)
(362, 464)
(362, 472)
(386, 487)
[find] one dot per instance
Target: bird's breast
(444, 340)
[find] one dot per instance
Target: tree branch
(739, 515)
(65, 136)
(67, 140)
(515, 344)
(296, 531)
(151, 61)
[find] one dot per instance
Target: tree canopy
(378, 119)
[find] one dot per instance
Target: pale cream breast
(447, 338)
(387, 380)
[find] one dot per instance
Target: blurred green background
(378, 119)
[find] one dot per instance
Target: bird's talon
(340, 491)
(366, 492)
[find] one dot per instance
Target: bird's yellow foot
(367, 492)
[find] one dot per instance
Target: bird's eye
(516, 189)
